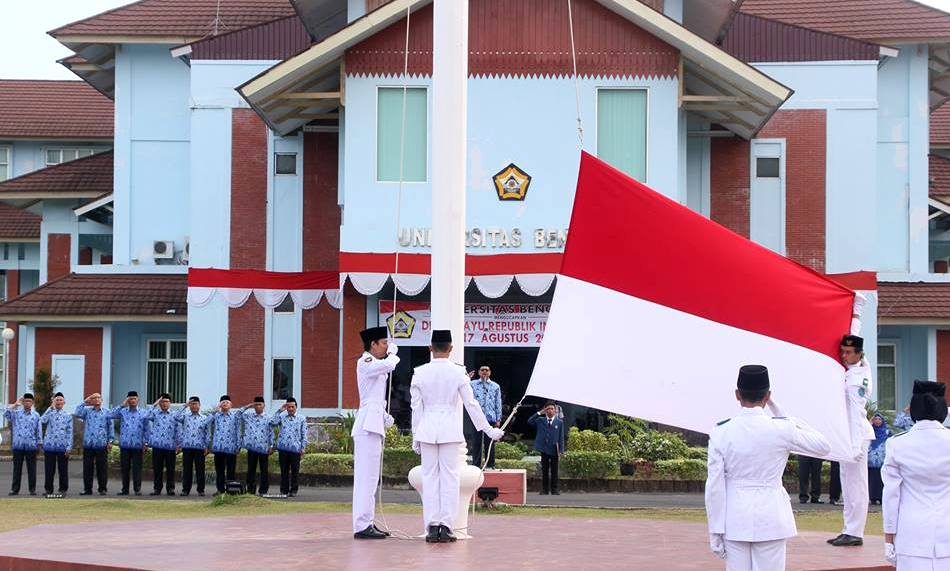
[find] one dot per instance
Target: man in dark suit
(549, 441)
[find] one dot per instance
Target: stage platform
(323, 541)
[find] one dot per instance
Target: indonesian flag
(657, 307)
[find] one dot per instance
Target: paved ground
(291, 542)
(325, 494)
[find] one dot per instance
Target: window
(767, 167)
(887, 376)
(622, 130)
(283, 384)
(166, 370)
(58, 156)
(391, 142)
(286, 306)
(285, 163)
(4, 163)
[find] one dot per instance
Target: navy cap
(753, 378)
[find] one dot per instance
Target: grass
(22, 513)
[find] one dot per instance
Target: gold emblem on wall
(511, 183)
(401, 325)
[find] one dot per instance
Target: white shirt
(916, 477)
(858, 386)
(371, 375)
(436, 389)
(745, 499)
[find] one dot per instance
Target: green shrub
(697, 453)
(43, 387)
(506, 451)
(398, 461)
(524, 446)
(653, 445)
(680, 469)
(395, 439)
(591, 441)
(589, 465)
(331, 464)
(531, 467)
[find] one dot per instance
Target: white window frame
(647, 89)
(167, 360)
(428, 89)
(895, 343)
(8, 162)
(78, 150)
(752, 176)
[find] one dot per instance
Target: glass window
(391, 142)
(767, 167)
(887, 376)
(4, 163)
(286, 306)
(622, 130)
(64, 155)
(283, 379)
(167, 369)
(285, 163)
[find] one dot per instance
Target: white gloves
(859, 302)
(388, 420)
(890, 553)
(393, 348)
(717, 545)
(416, 447)
(494, 433)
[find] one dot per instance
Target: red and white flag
(657, 307)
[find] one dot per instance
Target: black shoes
(834, 502)
(433, 535)
(123, 493)
(370, 533)
(845, 540)
(555, 493)
(137, 493)
(170, 493)
(156, 493)
(183, 494)
(102, 492)
(386, 533)
(202, 494)
(85, 493)
(816, 501)
(446, 535)
(544, 492)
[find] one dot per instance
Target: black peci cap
(441, 336)
(27, 396)
(194, 399)
(291, 400)
(224, 398)
(753, 378)
(259, 399)
(373, 334)
(853, 341)
(132, 394)
(929, 401)
(59, 395)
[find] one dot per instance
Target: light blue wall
(912, 358)
(529, 122)
(29, 156)
(129, 358)
(152, 134)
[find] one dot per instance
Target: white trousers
(854, 488)
(910, 563)
(440, 483)
(755, 555)
(367, 448)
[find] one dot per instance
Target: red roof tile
(871, 20)
(103, 295)
(913, 301)
(182, 18)
(18, 224)
(278, 40)
(53, 109)
(89, 176)
(940, 178)
(940, 126)
(756, 39)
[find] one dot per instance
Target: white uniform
(745, 500)
(369, 429)
(854, 475)
(916, 476)
(436, 389)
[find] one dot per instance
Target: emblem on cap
(401, 325)
(511, 183)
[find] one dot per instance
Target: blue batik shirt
(227, 432)
(131, 426)
(194, 432)
(27, 433)
(258, 432)
(488, 395)
(293, 432)
(59, 430)
(162, 429)
(99, 428)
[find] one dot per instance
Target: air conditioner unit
(163, 250)
(186, 252)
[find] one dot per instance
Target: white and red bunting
(235, 287)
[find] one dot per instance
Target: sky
(29, 53)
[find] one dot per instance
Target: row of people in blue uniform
(187, 431)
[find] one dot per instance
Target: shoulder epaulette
(721, 422)
(900, 434)
(368, 360)
(779, 418)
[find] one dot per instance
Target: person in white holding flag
(378, 360)
(747, 508)
(436, 389)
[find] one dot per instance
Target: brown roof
(871, 20)
(102, 296)
(278, 40)
(53, 110)
(756, 39)
(913, 301)
(940, 178)
(86, 177)
(181, 18)
(940, 126)
(18, 224)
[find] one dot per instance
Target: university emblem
(511, 183)
(401, 325)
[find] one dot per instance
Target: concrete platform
(297, 542)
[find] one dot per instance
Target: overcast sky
(29, 53)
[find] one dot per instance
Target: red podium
(512, 485)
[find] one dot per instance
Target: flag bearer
(748, 509)
(27, 437)
(436, 389)
(372, 371)
(98, 435)
(57, 444)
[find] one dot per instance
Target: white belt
(753, 484)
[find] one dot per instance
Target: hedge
(507, 451)
(331, 464)
(398, 461)
(652, 445)
(697, 453)
(592, 441)
(589, 465)
(681, 469)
